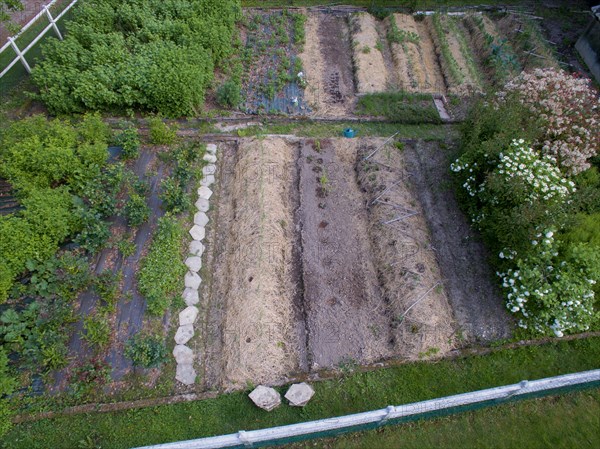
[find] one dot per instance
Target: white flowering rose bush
(551, 290)
(569, 110)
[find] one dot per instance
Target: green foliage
(399, 107)
(398, 36)
(141, 54)
(136, 210)
(94, 230)
(174, 197)
(174, 189)
(107, 287)
(162, 270)
(7, 386)
(161, 133)
(129, 139)
(97, 331)
(62, 276)
(441, 29)
(229, 94)
(147, 352)
(87, 376)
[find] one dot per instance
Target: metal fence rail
(392, 414)
(51, 25)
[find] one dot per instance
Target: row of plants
(137, 55)
(441, 38)
(399, 107)
(528, 176)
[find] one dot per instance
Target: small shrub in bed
(147, 352)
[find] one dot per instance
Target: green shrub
(136, 210)
(129, 140)
(161, 133)
(174, 197)
(147, 352)
(162, 270)
(7, 386)
(229, 94)
(97, 331)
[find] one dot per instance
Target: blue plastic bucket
(349, 132)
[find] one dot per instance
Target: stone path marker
(184, 356)
(299, 394)
(265, 397)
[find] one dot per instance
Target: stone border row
(184, 355)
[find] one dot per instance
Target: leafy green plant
(146, 351)
(174, 197)
(7, 386)
(97, 331)
(129, 139)
(106, 285)
(126, 247)
(136, 211)
(161, 133)
(88, 375)
(229, 94)
(398, 36)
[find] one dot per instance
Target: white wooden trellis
(51, 25)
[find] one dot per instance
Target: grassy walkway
(354, 393)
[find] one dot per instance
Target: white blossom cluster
(542, 298)
(570, 109)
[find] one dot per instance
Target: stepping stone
(208, 180)
(204, 192)
(210, 169)
(202, 205)
(197, 232)
(192, 280)
(196, 248)
(190, 297)
(184, 334)
(183, 355)
(210, 158)
(211, 148)
(265, 397)
(185, 374)
(188, 315)
(194, 263)
(201, 219)
(299, 394)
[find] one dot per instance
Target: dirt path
(477, 304)
(346, 315)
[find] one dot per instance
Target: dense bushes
(528, 183)
(140, 54)
(162, 269)
(53, 167)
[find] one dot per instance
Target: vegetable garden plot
(456, 57)
(274, 81)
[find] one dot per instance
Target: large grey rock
(196, 248)
(207, 180)
(183, 355)
(185, 374)
(184, 334)
(209, 169)
(202, 205)
(211, 158)
(198, 232)
(188, 315)
(204, 192)
(299, 394)
(194, 263)
(201, 219)
(192, 280)
(265, 397)
(211, 148)
(190, 297)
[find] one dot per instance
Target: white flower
(549, 234)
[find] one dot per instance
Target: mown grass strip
(353, 393)
(399, 107)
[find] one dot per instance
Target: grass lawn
(569, 421)
(355, 392)
(399, 107)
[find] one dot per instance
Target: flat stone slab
(211, 158)
(201, 219)
(196, 248)
(207, 180)
(202, 205)
(299, 394)
(265, 397)
(198, 232)
(184, 334)
(194, 263)
(188, 315)
(190, 296)
(183, 355)
(204, 192)
(192, 280)
(209, 169)
(211, 148)
(185, 374)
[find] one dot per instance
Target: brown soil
(469, 281)
(371, 71)
(259, 341)
(421, 318)
(431, 78)
(346, 315)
